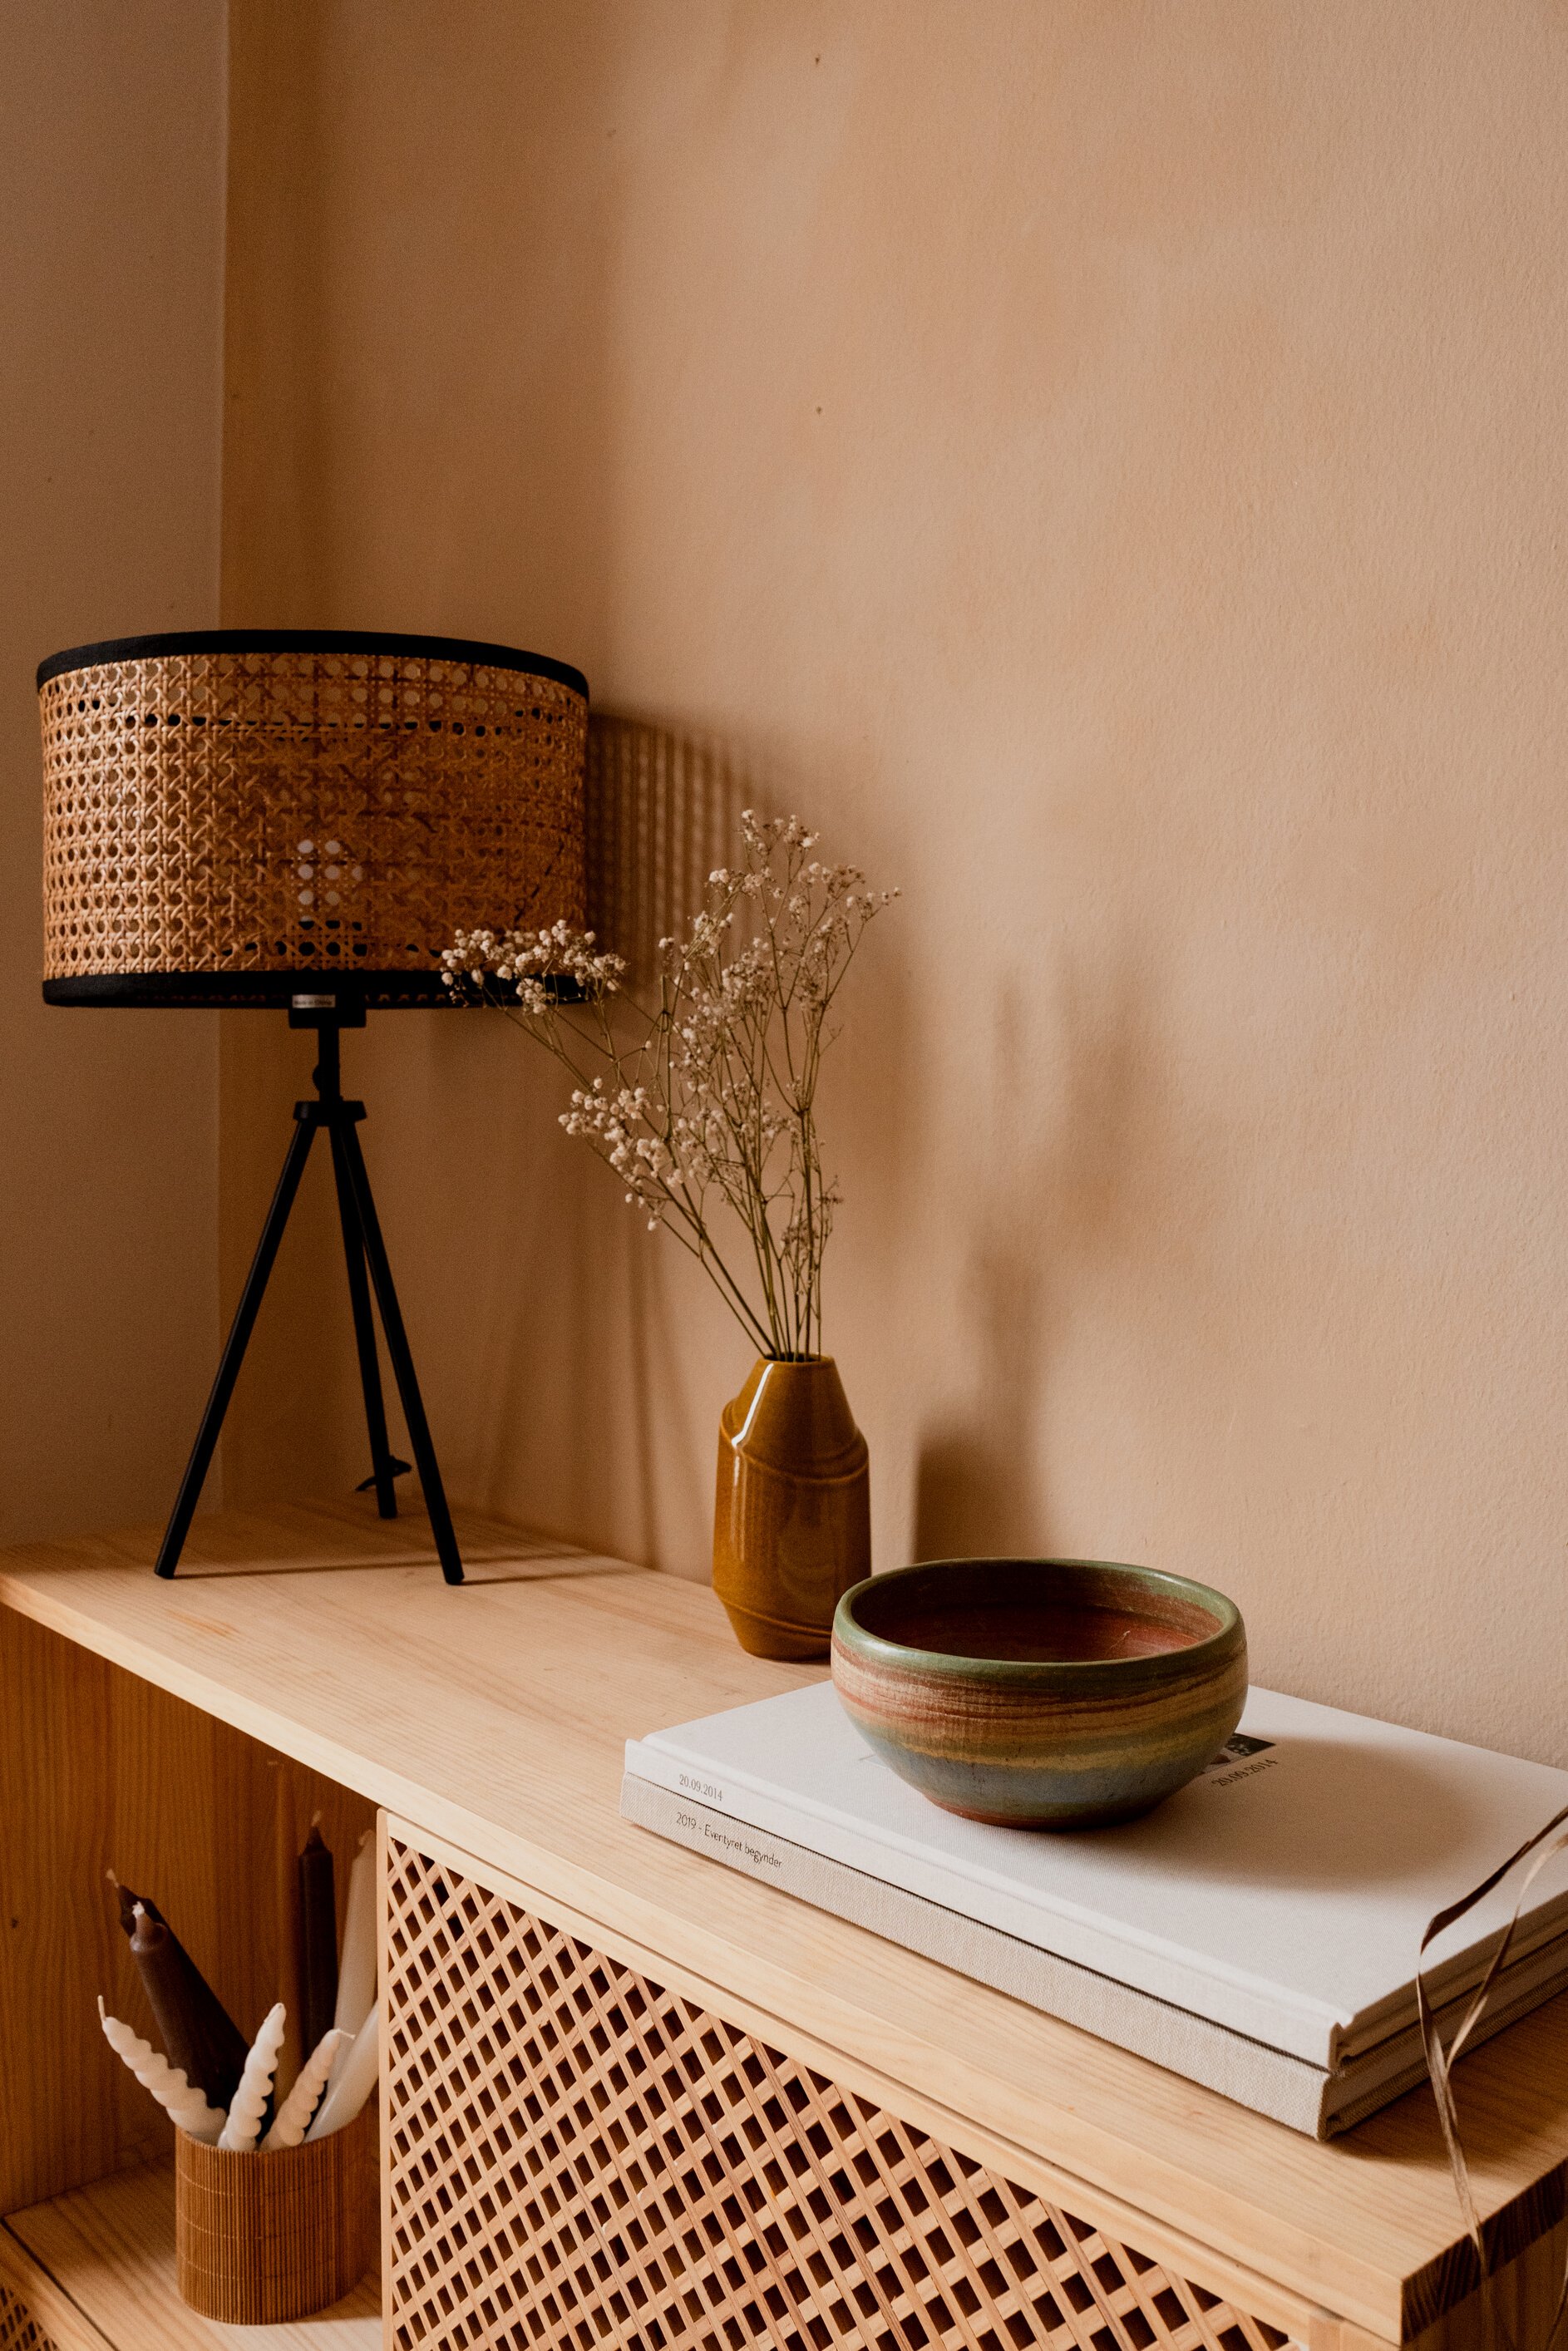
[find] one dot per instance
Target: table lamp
(302, 819)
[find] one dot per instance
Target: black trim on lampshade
(310, 641)
(169, 878)
(240, 991)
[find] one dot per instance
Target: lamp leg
(249, 1305)
(402, 1360)
(384, 1464)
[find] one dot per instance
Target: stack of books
(1259, 1932)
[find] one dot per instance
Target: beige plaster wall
(111, 206)
(1106, 462)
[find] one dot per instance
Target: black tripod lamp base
(370, 1274)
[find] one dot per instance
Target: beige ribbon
(1441, 2062)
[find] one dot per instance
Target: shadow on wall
(1044, 1207)
(580, 1301)
(326, 524)
(662, 810)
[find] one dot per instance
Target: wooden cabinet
(576, 2153)
(628, 2099)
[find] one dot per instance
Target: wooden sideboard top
(495, 1716)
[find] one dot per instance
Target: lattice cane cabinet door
(579, 2159)
(19, 2330)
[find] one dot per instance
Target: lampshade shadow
(663, 809)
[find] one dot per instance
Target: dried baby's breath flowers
(706, 1097)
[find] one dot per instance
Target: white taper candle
(250, 2099)
(293, 2115)
(357, 1967)
(353, 2079)
(183, 2104)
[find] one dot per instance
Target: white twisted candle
(357, 1967)
(352, 2081)
(295, 2112)
(255, 2084)
(182, 2102)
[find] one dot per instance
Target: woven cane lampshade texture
(233, 813)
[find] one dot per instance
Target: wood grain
(60, 2324)
(1524, 2292)
(109, 2250)
(19, 2330)
(107, 1770)
(495, 1716)
(61, 2121)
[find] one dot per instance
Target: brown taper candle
(197, 2032)
(128, 1902)
(317, 1941)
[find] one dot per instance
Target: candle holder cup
(263, 2239)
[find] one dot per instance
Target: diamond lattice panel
(18, 2331)
(579, 2159)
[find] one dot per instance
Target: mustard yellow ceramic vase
(792, 1518)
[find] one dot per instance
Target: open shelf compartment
(105, 1772)
(101, 2259)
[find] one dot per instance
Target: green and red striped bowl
(1041, 1693)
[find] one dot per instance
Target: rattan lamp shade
(233, 813)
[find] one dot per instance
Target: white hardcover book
(1282, 1894)
(1306, 2097)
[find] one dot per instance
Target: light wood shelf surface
(495, 1716)
(96, 2266)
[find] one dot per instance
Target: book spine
(1287, 2089)
(1306, 2033)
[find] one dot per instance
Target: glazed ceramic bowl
(1041, 1693)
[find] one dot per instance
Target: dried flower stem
(705, 1100)
(1538, 1850)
